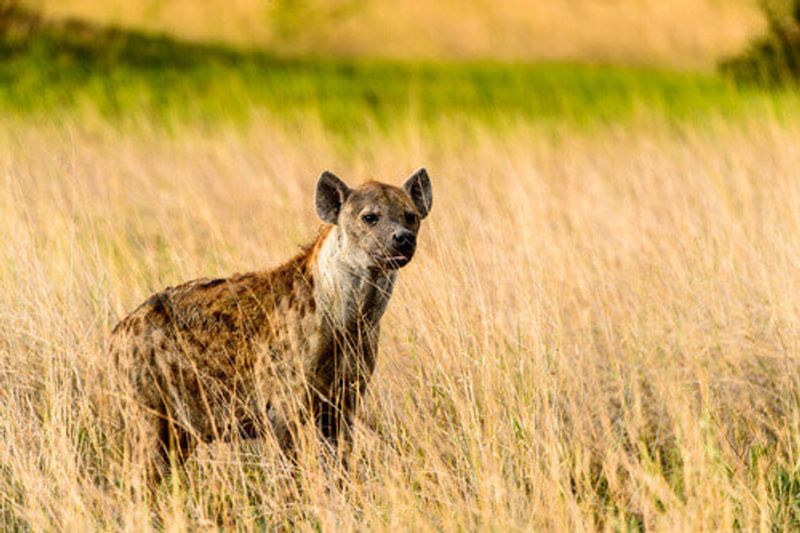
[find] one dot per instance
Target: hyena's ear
(331, 195)
(418, 187)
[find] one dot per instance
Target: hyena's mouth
(397, 261)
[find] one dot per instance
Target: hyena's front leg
(335, 412)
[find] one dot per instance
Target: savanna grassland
(600, 330)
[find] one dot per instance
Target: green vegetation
(49, 69)
(775, 58)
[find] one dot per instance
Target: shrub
(774, 58)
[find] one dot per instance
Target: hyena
(264, 351)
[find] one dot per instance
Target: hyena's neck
(348, 294)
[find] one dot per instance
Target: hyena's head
(377, 223)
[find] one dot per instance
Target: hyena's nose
(404, 240)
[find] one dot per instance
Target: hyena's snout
(405, 242)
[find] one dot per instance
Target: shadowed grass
(50, 68)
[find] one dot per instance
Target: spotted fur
(264, 351)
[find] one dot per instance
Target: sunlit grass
(600, 329)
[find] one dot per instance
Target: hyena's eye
(411, 218)
(370, 218)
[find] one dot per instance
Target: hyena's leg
(144, 430)
(175, 445)
(156, 445)
(334, 416)
(336, 411)
(284, 427)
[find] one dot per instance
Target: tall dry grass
(600, 329)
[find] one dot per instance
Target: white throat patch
(350, 293)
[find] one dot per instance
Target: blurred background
(683, 33)
(361, 60)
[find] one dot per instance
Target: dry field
(600, 330)
(681, 33)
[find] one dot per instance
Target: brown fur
(217, 358)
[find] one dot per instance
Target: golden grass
(599, 330)
(683, 33)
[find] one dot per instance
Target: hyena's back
(188, 354)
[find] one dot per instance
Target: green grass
(48, 70)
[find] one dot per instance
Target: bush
(775, 58)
